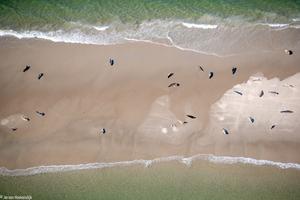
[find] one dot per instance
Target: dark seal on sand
(273, 126)
(174, 85)
(274, 92)
(233, 70)
(26, 68)
(171, 74)
(288, 52)
(40, 113)
(111, 62)
(251, 119)
(103, 131)
(261, 93)
(238, 92)
(191, 116)
(225, 131)
(286, 111)
(40, 75)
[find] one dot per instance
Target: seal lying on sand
(174, 85)
(26, 68)
(171, 74)
(233, 70)
(211, 74)
(225, 131)
(103, 131)
(286, 111)
(40, 113)
(111, 62)
(288, 52)
(191, 116)
(238, 92)
(40, 75)
(261, 93)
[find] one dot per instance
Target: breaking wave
(147, 163)
(221, 38)
(203, 26)
(100, 28)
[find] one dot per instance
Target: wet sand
(81, 93)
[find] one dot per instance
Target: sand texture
(80, 93)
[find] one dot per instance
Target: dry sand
(81, 93)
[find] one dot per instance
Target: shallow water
(200, 26)
(171, 180)
(26, 14)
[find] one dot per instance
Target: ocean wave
(147, 41)
(203, 37)
(101, 28)
(147, 163)
(296, 19)
(80, 38)
(195, 51)
(281, 26)
(172, 44)
(54, 36)
(276, 26)
(76, 37)
(202, 26)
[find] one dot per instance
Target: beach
(81, 93)
(149, 99)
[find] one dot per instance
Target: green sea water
(161, 181)
(34, 14)
(218, 27)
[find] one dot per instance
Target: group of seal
(27, 67)
(261, 94)
(175, 84)
(40, 75)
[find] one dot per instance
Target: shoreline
(187, 161)
(202, 179)
(80, 93)
(112, 34)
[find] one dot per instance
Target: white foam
(176, 46)
(76, 37)
(147, 41)
(101, 28)
(147, 163)
(276, 26)
(154, 31)
(281, 26)
(193, 50)
(201, 26)
(54, 36)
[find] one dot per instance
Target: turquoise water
(199, 26)
(32, 14)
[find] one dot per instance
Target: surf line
(147, 163)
